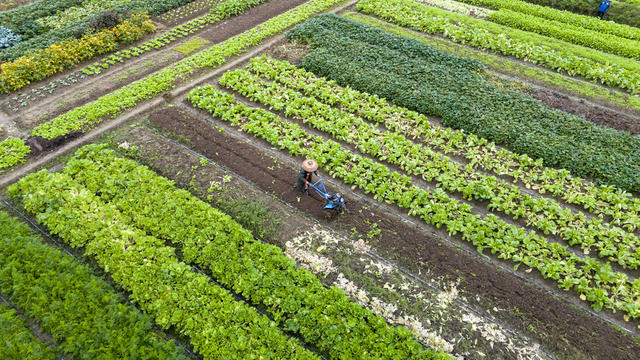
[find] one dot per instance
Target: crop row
(43, 63)
(594, 281)
(600, 200)
(83, 314)
(504, 65)
(569, 33)
(172, 292)
(430, 20)
(18, 341)
(12, 152)
(128, 96)
(545, 214)
(622, 12)
(221, 11)
(24, 21)
(464, 99)
(294, 297)
(586, 22)
(458, 7)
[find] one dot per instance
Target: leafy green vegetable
(85, 316)
(18, 341)
(172, 292)
(623, 12)
(570, 33)
(357, 55)
(12, 152)
(586, 22)
(582, 274)
(292, 296)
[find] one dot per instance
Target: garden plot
(482, 223)
(278, 224)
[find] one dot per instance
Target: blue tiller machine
(334, 203)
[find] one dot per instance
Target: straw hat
(310, 165)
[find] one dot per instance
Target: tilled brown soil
(560, 327)
(249, 19)
(595, 114)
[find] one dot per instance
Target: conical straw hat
(310, 165)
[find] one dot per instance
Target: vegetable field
(487, 153)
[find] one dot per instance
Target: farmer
(602, 10)
(309, 167)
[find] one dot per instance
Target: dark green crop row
(18, 341)
(348, 52)
(85, 316)
(623, 12)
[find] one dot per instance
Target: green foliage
(23, 20)
(570, 33)
(85, 316)
(349, 53)
(586, 22)
(128, 96)
(529, 73)
(292, 296)
(604, 201)
(563, 57)
(42, 23)
(611, 243)
(40, 64)
(172, 292)
(220, 11)
(599, 284)
(18, 341)
(623, 12)
(12, 151)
